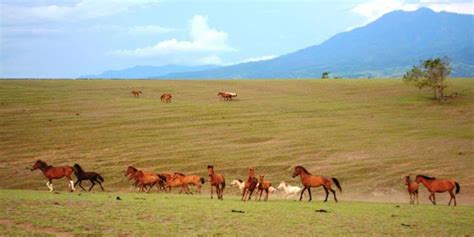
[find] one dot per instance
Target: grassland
(367, 133)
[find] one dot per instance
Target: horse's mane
(240, 180)
(303, 169)
(79, 168)
(210, 167)
(426, 177)
(133, 168)
(179, 173)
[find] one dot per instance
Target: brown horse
(166, 98)
(136, 93)
(435, 185)
(216, 180)
(171, 182)
(308, 180)
(51, 173)
(226, 95)
(250, 184)
(412, 188)
(143, 179)
(189, 180)
(263, 186)
(91, 176)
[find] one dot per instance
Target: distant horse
(435, 185)
(166, 98)
(412, 188)
(238, 183)
(136, 93)
(250, 184)
(171, 182)
(263, 186)
(190, 180)
(216, 180)
(142, 179)
(91, 176)
(51, 173)
(289, 190)
(226, 95)
(308, 180)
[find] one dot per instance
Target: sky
(71, 38)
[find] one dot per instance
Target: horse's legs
(327, 193)
(416, 193)
(434, 198)
(49, 184)
(70, 183)
(80, 185)
(310, 197)
(302, 191)
(244, 194)
(100, 183)
(334, 193)
(75, 184)
(261, 192)
(93, 184)
(452, 197)
(212, 191)
(266, 197)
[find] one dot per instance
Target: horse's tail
(223, 183)
(100, 178)
(202, 180)
(458, 188)
(336, 182)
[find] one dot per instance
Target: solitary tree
(325, 75)
(432, 73)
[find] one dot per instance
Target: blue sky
(70, 38)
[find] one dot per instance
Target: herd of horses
(166, 97)
(146, 180)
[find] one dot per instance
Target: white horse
(238, 183)
(289, 190)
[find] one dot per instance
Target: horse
(136, 93)
(216, 180)
(226, 95)
(308, 180)
(288, 189)
(143, 179)
(166, 98)
(250, 184)
(412, 188)
(170, 182)
(435, 185)
(190, 180)
(238, 183)
(91, 176)
(51, 173)
(263, 186)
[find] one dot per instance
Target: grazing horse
(216, 180)
(91, 176)
(226, 95)
(250, 184)
(51, 173)
(166, 98)
(412, 188)
(289, 190)
(435, 185)
(190, 180)
(308, 180)
(136, 93)
(263, 186)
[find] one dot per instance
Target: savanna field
(367, 133)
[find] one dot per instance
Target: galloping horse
(263, 186)
(142, 179)
(216, 180)
(170, 182)
(289, 190)
(250, 184)
(91, 176)
(438, 186)
(238, 183)
(412, 188)
(190, 180)
(166, 98)
(54, 173)
(226, 95)
(308, 180)
(136, 93)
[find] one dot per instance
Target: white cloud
(256, 59)
(203, 39)
(84, 9)
(149, 30)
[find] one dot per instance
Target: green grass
(171, 214)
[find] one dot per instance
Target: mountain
(386, 47)
(149, 71)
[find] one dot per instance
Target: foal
(91, 176)
(263, 186)
(412, 188)
(216, 180)
(54, 173)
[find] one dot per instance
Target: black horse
(82, 175)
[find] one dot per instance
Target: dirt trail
(36, 230)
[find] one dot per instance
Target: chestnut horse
(136, 93)
(171, 181)
(142, 179)
(166, 98)
(435, 185)
(226, 95)
(189, 180)
(263, 186)
(91, 176)
(308, 180)
(216, 180)
(51, 173)
(412, 188)
(250, 184)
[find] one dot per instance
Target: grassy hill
(367, 133)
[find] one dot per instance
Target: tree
(325, 75)
(432, 73)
